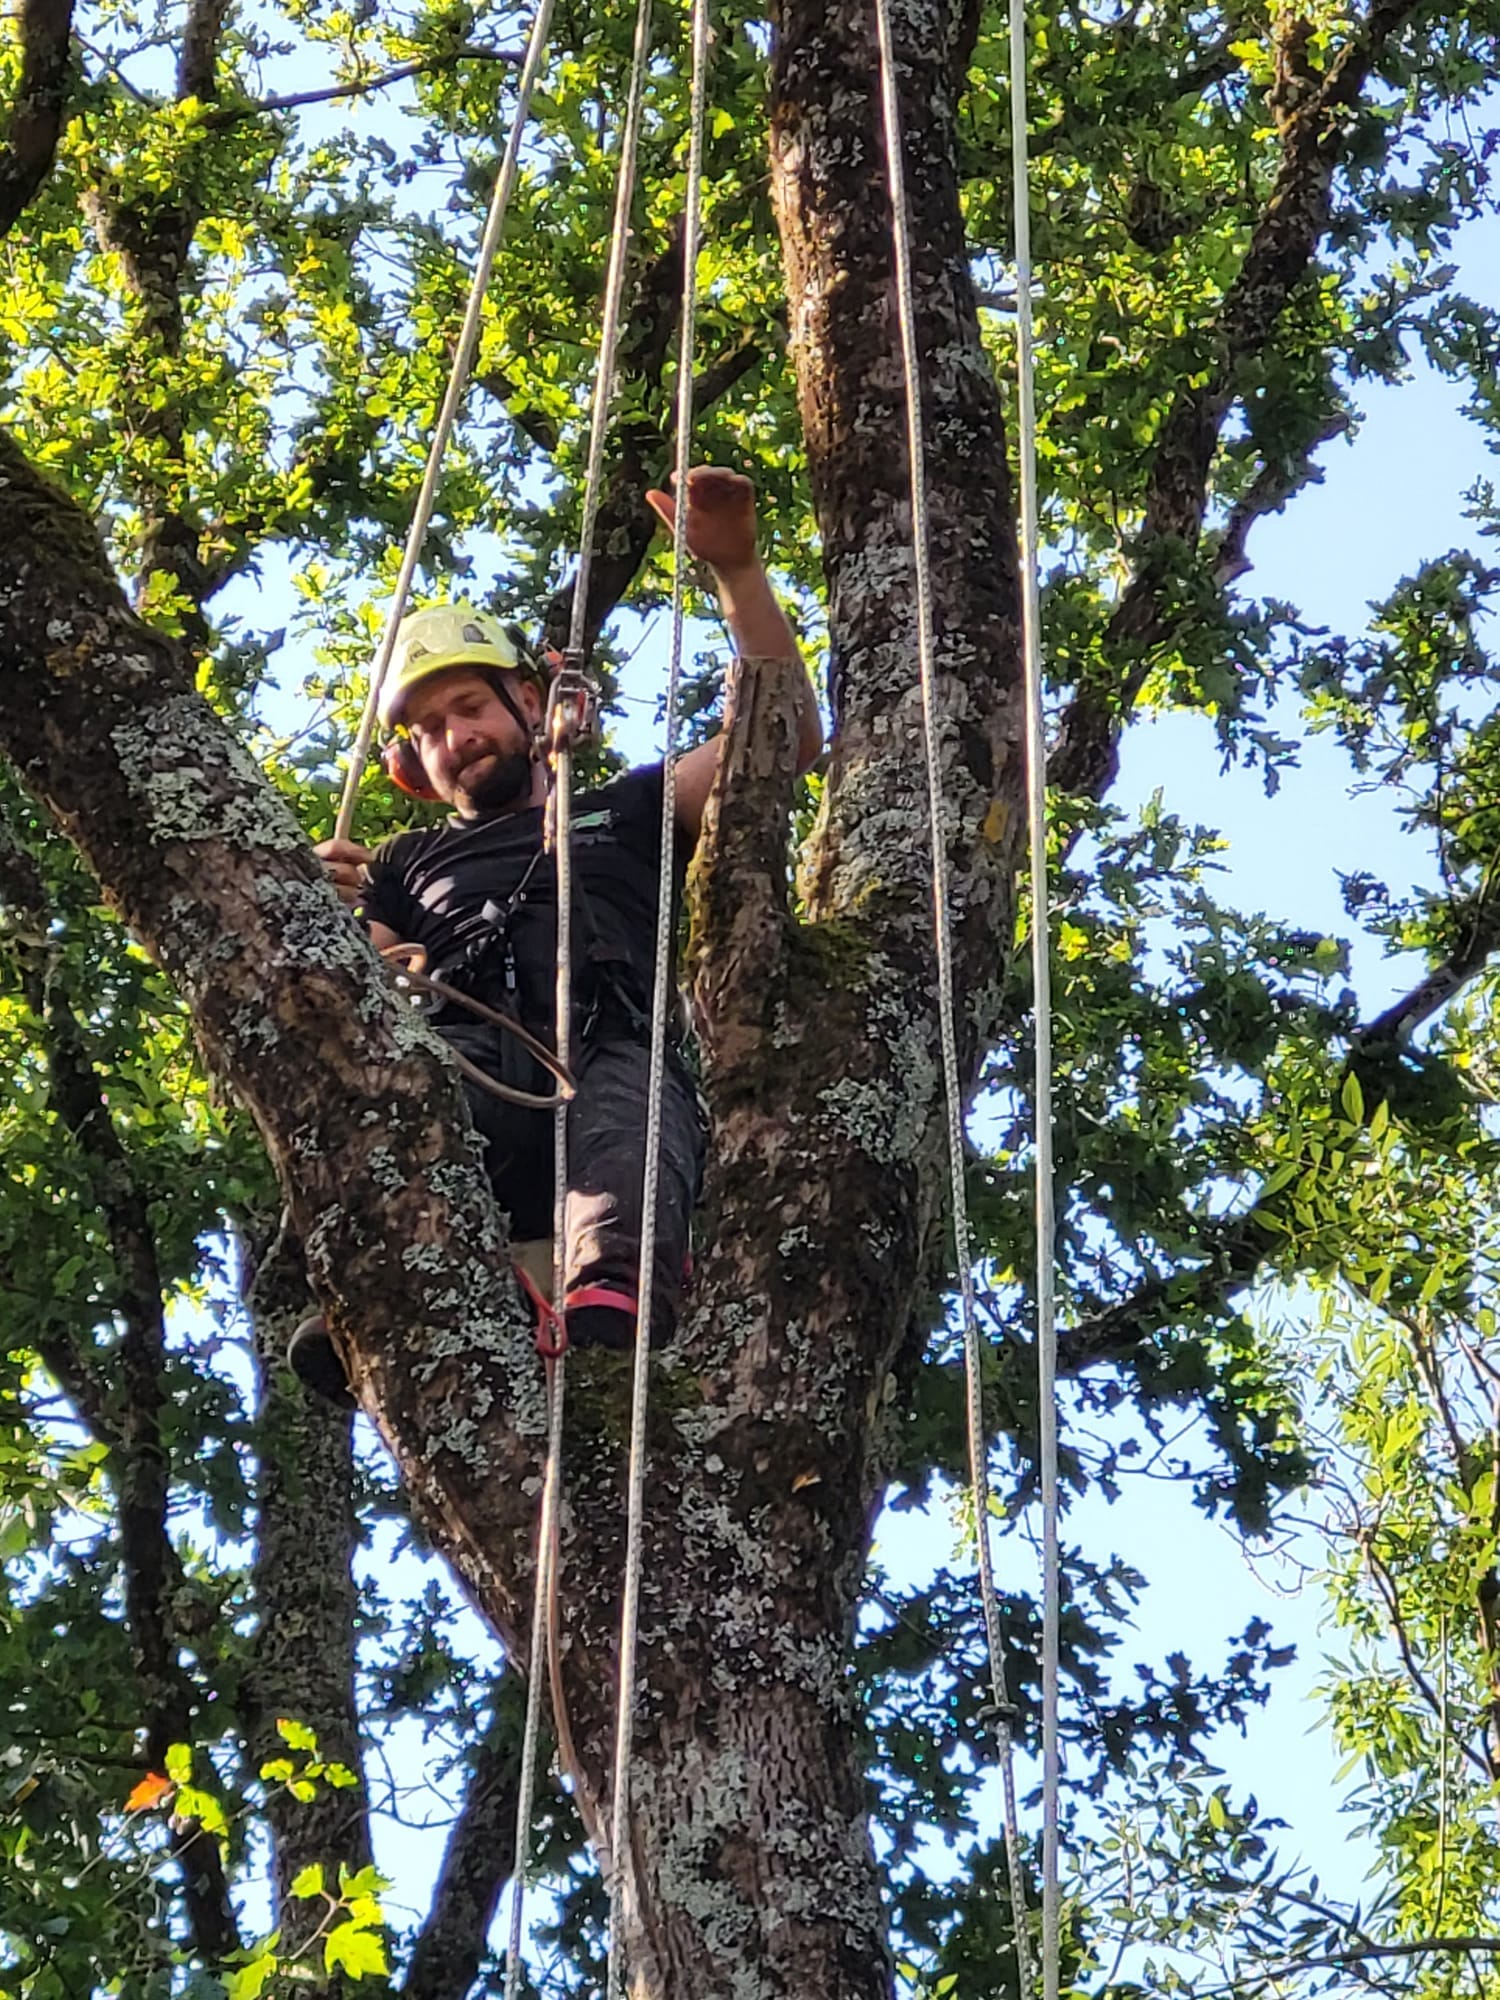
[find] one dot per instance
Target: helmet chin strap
(529, 730)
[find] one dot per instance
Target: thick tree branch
(1443, 984)
(221, 883)
(1418, 1948)
(642, 448)
(476, 1863)
(743, 925)
(871, 853)
(152, 234)
(1310, 112)
(1232, 1254)
(1269, 491)
(36, 116)
(198, 58)
(627, 527)
(305, 1597)
(24, 908)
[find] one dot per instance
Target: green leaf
(297, 1735)
(252, 1980)
(310, 1881)
(1352, 1098)
(361, 1881)
(179, 1763)
(354, 1950)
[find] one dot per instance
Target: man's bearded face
(476, 755)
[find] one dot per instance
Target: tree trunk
(305, 1650)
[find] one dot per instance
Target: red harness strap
(613, 1296)
(551, 1332)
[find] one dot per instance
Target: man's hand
(720, 518)
(347, 866)
(721, 533)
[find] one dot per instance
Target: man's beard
(504, 781)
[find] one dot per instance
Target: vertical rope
(953, 1093)
(536, 1672)
(560, 807)
(620, 1844)
(609, 336)
(458, 382)
(1041, 989)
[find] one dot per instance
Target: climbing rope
(453, 395)
(1004, 1711)
(408, 965)
(544, 1597)
(609, 335)
(620, 1845)
(569, 717)
(1041, 1006)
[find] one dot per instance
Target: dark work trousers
(606, 1163)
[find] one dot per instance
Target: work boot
(317, 1364)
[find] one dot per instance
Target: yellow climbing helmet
(449, 635)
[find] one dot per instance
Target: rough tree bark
(305, 1592)
(752, 1867)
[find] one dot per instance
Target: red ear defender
(404, 768)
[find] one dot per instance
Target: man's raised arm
(721, 533)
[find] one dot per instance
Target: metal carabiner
(572, 706)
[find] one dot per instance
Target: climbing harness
(1003, 1709)
(619, 1844)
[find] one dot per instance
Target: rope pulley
(572, 704)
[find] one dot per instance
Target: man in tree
(466, 706)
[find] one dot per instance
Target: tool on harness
(534, 1053)
(572, 703)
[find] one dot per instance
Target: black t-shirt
(433, 887)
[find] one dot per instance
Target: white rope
(458, 382)
(620, 1844)
(926, 650)
(536, 1677)
(560, 805)
(1041, 1002)
(609, 337)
